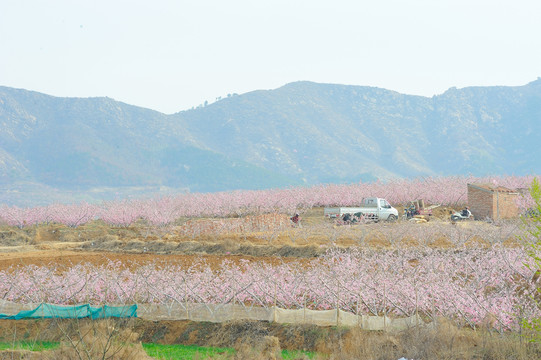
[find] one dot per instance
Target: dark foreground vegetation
(136, 339)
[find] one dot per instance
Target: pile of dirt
(477, 242)
(441, 242)
(12, 236)
(377, 240)
(442, 212)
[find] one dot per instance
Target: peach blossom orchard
(161, 211)
(489, 287)
(472, 287)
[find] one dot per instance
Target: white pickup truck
(371, 208)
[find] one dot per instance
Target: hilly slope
(334, 133)
(301, 133)
(83, 143)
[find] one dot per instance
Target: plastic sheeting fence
(49, 311)
(211, 313)
(228, 312)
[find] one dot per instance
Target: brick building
(493, 202)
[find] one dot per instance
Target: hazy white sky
(172, 55)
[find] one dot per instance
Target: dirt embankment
(230, 334)
(445, 341)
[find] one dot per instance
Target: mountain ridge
(301, 133)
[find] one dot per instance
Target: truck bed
(340, 211)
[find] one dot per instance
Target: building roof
(492, 188)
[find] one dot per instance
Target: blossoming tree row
(472, 286)
(164, 210)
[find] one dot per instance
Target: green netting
(48, 311)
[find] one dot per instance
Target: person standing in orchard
(296, 219)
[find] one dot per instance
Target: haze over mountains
(301, 133)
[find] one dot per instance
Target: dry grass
(316, 231)
(444, 342)
(267, 348)
(13, 236)
(86, 340)
(102, 339)
(17, 246)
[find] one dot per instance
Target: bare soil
(140, 244)
(66, 258)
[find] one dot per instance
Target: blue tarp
(49, 311)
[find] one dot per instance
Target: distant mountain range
(59, 149)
